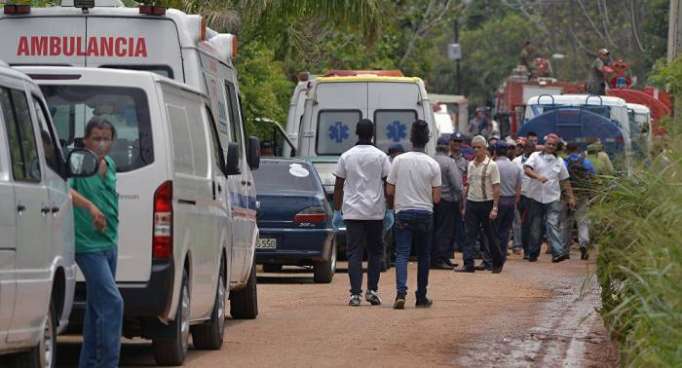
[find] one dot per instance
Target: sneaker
(481, 267)
(372, 297)
(440, 266)
(423, 302)
(561, 258)
(466, 269)
(498, 269)
(583, 254)
(355, 300)
(399, 301)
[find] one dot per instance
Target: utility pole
(458, 69)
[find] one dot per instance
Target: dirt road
(530, 315)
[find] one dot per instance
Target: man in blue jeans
(549, 174)
(96, 226)
(414, 184)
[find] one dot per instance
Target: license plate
(266, 243)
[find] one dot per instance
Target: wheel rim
(221, 304)
(47, 344)
(184, 314)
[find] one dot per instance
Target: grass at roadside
(638, 227)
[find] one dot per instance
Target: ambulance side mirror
(232, 160)
(254, 153)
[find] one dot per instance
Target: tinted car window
(126, 108)
(276, 176)
(21, 135)
(50, 145)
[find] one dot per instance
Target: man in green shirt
(96, 226)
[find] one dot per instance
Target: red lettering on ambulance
(106, 46)
(141, 48)
(55, 46)
(39, 45)
(93, 47)
(120, 47)
(68, 46)
(22, 48)
(79, 47)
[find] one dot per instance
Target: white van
(324, 111)
(641, 130)
(174, 230)
(168, 42)
(37, 265)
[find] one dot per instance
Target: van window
(53, 155)
(393, 127)
(183, 154)
(21, 136)
(235, 119)
(336, 131)
(127, 109)
(216, 150)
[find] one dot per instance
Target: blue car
(294, 219)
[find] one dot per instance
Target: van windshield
(127, 109)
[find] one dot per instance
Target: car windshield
(127, 109)
(278, 176)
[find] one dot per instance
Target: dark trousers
(524, 210)
(417, 226)
(445, 217)
(504, 221)
(361, 235)
(476, 220)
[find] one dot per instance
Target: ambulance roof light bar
(17, 9)
(152, 7)
(355, 73)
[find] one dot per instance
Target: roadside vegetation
(637, 226)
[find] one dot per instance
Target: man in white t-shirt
(549, 174)
(360, 195)
(414, 184)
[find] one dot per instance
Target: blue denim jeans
(104, 311)
(412, 225)
(545, 217)
(504, 221)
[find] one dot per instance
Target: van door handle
(187, 201)
(55, 209)
(21, 209)
(45, 210)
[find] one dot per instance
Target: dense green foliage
(637, 223)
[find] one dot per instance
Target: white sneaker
(355, 300)
(372, 297)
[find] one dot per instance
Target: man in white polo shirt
(360, 195)
(549, 175)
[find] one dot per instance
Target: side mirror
(81, 163)
(254, 153)
(232, 159)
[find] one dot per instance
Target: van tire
(272, 268)
(209, 335)
(172, 350)
(323, 272)
(45, 354)
(244, 302)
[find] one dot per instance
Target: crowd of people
(509, 197)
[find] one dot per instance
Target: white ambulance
(324, 111)
(173, 44)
